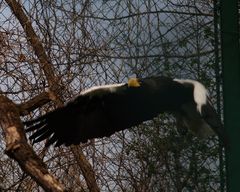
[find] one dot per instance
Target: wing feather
(212, 118)
(102, 112)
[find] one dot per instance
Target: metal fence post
(231, 88)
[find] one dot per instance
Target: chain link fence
(106, 41)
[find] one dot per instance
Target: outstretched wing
(95, 114)
(102, 111)
(53, 125)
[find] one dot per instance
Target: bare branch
(18, 149)
(34, 40)
(55, 86)
(34, 103)
(38, 48)
(86, 168)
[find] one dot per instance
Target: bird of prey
(103, 110)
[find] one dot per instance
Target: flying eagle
(103, 110)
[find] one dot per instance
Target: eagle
(103, 110)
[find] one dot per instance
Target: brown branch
(45, 63)
(18, 149)
(142, 14)
(86, 168)
(34, 103)
(55, 86)
(34, 40)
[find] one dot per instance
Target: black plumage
(102, 111)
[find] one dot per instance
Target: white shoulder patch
(200, 93)
(110, 87)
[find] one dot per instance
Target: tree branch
(86, 168)
(34, 40)
(18, 149)
(53, 80)
(34, 103)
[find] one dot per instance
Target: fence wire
(106, 41)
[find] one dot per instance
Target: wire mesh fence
(106, 41)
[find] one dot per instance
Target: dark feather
(212, 118)
(104, 111)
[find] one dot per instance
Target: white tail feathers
(200, 93)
